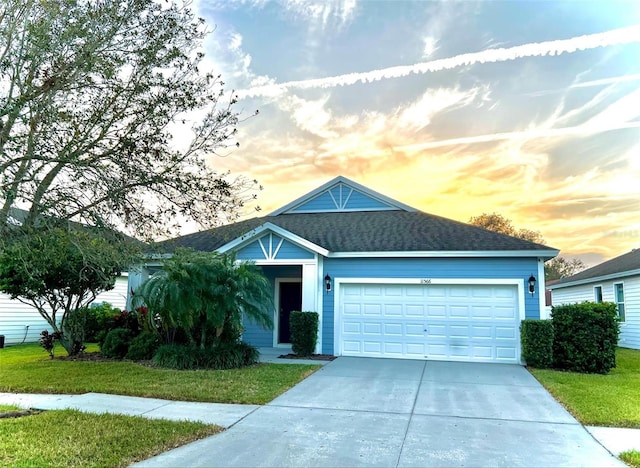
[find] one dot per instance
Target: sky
(530, 109)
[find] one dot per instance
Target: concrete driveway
(383, 412)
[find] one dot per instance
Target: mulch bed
(93, 356)
(18, 413)
(313, 357)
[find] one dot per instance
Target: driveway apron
(389, 413)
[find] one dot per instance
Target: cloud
(418, 115)
(320, 13)
(538, 49)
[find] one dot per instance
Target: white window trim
(595, 296)
(615, 298)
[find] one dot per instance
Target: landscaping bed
(28, 369)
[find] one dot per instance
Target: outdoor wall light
(327, 283)
(532, 284)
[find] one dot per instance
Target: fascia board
(595, 279)
(447, 253)
(266, 227)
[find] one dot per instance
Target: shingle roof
(616, 266)
(372, 231)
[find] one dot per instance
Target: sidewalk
(224, 415)
(615, 440)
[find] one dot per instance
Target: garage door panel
(456, 322)
(414, 330)
(372, 328)
(393, 329)
(393, 310)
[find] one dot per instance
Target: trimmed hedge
(304, 332)
(586, 336)
(143, 347)
(536, 337)
(220, 356)
(116, 343)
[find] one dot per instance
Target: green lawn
(73, 439)
(28, 369)
(599, 400)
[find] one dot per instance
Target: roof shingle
(372, 231)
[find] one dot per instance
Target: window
(618, 290)
(597, 293)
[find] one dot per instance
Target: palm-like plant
(198, 291)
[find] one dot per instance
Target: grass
(599, 400)
(73, 439)
(632, 458)
(28, 369)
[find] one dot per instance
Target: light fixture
(532, 284)
(327, 283)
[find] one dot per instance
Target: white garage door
(442, 322)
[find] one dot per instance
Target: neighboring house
(616, 280)
(386, 279)
(20, 323)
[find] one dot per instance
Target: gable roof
(389, 232)
(625, 265)
(384, 202)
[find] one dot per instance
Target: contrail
(584, 129)
(606, 81)
(536, 49)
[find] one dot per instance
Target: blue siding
(255, 334)
(289, 251)
(323, 202)
(516, 268)
(250, 252)
(360, 201)
(344, 198)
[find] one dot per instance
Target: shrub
(143, 347)
(536, 337)
(100, 321)
(230, 356)
(586, 336)
(220, 356)
(176, 356)
(73, 330)
(48, 341)
(304, 332)
(117, 342)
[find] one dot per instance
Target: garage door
(442, 322)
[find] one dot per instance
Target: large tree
(560, 267)
(498, 223)
(60, 270)
(91, 93)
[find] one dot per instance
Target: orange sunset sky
(528, 109)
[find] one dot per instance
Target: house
(616, 280)
(386, 279)
(22, 323)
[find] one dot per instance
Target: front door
(290, 298)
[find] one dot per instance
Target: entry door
(290, 298)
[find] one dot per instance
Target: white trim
(338, 282)
(623, 302)
(276, 321)
(542, 291)
(447, 253)
(595, 298)
(596, 279)
(351, 184)
(320, 300)
(291, 261)
(253, 234)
